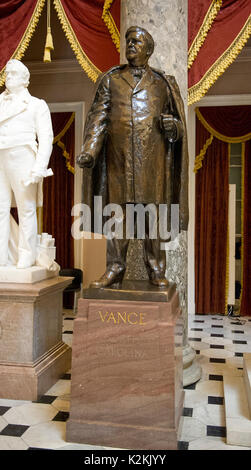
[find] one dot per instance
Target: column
(166, 21)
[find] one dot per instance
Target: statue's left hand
(167, 122)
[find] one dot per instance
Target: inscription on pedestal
(121, 322)
(128, 351)
(131, 318)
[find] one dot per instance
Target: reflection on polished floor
(219, 342)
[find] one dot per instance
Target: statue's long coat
(26, 120)
(134, 162)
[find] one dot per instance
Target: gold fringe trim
(224, 138)
(227, 256)
(242, 213)
(110, 23)
(202, 33)
(198, 90)
(57, 141)
(199, 158)
(92, 71)
(23, 44)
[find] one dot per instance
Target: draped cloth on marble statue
(42, 258)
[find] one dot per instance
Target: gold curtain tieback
(49, 41)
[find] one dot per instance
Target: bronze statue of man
(135, 149)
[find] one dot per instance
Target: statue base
(32, 353)
(126, 388)
(191, 369)
(30, 275)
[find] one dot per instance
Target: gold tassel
(47, 55)
(49, 41)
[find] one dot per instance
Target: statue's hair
(20, 67)
(145, 33)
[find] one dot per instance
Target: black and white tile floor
(219, 342)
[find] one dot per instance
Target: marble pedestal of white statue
(32, 354)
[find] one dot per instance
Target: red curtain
(18, 19)
(88, 34)
(211, 220)
(216, 127)
(59, 191)
(225, 38)
(246, 235)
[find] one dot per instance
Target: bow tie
(137, 72)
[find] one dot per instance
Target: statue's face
(14, 79)
(137, 50)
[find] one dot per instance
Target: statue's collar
(128, 72)
(22, 96)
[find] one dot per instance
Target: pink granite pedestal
(126, 389)
(32, 353)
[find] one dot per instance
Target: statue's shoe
(158, 279)
(113, 275)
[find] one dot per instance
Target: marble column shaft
(166, 21)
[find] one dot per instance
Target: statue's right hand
(85, 160)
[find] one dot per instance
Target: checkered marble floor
(219, 342)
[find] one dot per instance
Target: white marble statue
(26, 138)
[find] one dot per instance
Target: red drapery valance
(229, 124)
(88, 34)
(92, 28)
(18, 20)
(217, 31)
(226, 36)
